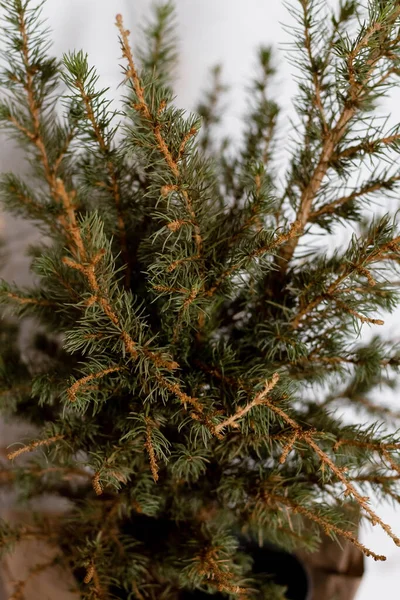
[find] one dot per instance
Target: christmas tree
(194, 344)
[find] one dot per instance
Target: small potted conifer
(192, 345)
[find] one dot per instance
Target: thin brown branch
(75, 387)
(19, 586)
(371, 445)
(260, 399)
(25, 300)
(321, 521)
(57, 163)
(367, 147)
(33, 445)
(184, 142)
(356, 314)
(308, 437)
(56, 185)
(367, 189)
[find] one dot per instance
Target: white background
(211, 31)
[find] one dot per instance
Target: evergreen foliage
(196, 345)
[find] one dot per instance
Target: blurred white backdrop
(211, 31)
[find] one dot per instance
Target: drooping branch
(338, 472)
(327, 526)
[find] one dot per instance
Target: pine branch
(368, 146)
(334, 135)
(308, 437)
(83, 79)
(152, 119)
(260, 399)
(367, 188)
(73, 390)
(325, 524)
(379, 254)
(33, 445)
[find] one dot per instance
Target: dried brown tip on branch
(176, 225)
(150, 449)
(168, 189)
(89, 573)
(98, 488)
(33, 445)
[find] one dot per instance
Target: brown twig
(324, 523)
(216, 573)
(366, 146)
(75, 387)
(366, 189)
(26, 300)
(260, 399)
(33, 445)
(56, 185)
(308, 437)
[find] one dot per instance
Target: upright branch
(332, 135)
(83, 79)
(153, 121)
(35, 135)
